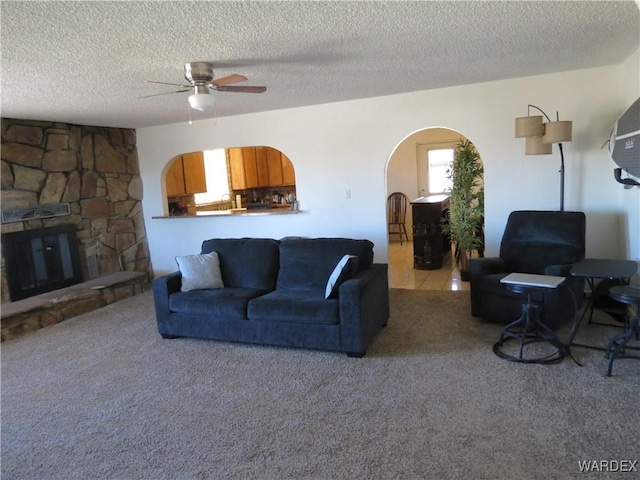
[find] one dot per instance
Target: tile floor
(403, 275)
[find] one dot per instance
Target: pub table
(593, 269)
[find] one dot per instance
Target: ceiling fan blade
(242, 89)
(166, 93)
(228, 80)
(166, 83)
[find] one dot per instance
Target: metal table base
(527, 330)
(619, 345)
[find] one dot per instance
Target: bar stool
(618, 345)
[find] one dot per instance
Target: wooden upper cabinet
(194, 177)
(288, 173)
(236, 167)
(258, 167)
(175, 178)
(186, 175)
(250, 167)
(262, 167)
(275, 166)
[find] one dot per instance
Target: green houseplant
(466, 204)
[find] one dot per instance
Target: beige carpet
(104, 396)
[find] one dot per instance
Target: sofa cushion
(295, 307)
(230, 302)
(347, 266)
(307, 263)
(246, 262)
(200, 271)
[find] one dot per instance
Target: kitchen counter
(237, 212)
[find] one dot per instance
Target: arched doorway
(417, 167)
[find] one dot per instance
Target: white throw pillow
(340, 274)
(200, 271)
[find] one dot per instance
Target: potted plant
(464, 223)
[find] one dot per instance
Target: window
(217, 178)
(434, 161)
(439, 163)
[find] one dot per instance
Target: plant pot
(465, 275)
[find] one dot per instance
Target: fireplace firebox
(41, 260)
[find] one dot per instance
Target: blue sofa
(274, 294)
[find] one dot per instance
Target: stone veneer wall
(95, 170)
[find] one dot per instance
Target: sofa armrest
(364, 308)
(162, 288)
(573, 285)
(558, 270)
(479, 268)
(167, 284)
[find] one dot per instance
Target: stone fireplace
(92, 172)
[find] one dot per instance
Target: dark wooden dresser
(430, 245)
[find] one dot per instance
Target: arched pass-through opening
(418, 168)
(229, 180)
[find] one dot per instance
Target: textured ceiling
(87, 62)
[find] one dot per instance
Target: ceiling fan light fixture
(202, 99)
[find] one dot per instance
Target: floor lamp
(541, 136)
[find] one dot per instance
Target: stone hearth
(28, 315)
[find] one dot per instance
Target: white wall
(346, 145)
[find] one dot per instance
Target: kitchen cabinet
(195, 180)
(274, 161)
(186, 175)
(280, 168)
(175, 179)
(262, 166)
(250, 167)
(288, 173)
(236, 168)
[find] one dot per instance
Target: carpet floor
(103, 396)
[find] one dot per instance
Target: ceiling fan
(200, 78)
